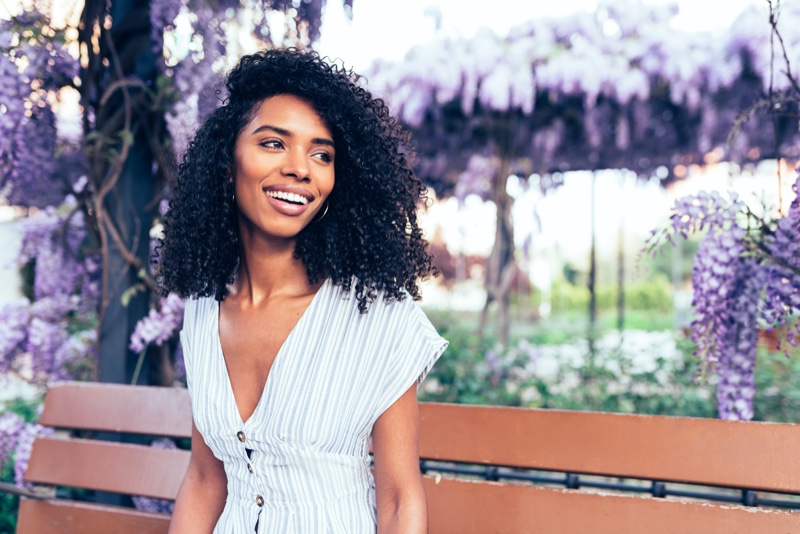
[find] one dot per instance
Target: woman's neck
(268, 268)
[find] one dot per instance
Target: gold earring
(324, 213)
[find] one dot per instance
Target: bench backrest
(110, 466)
(677, 449)
(752, 455)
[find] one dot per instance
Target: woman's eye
(271, 143)
(324, 156)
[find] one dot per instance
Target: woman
(293, 235)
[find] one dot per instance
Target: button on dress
(300, 462)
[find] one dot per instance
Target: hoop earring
(324, 213)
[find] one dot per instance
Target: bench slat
(464, 507)
(156, 411)
(116, 467)
(70, 517)
(680, 449)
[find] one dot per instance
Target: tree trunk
(500, 264)
(621, 276)
(592, 278)
(127, 205)
(461, 257)
(122, 173)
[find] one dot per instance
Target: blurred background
(613, 194)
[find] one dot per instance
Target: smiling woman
(293, 236)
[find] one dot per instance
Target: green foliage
(9, 504)
(28, 409)
(611, 382)
(608, 381)
(462, 376)
(654, 294)
(777, 396)
(26, 273)
(569, 326)
(663, 262)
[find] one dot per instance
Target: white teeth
(289, 197)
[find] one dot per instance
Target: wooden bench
(758, 456)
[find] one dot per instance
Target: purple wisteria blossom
(22, 454)
(714, 277)
(75, 357)
(738, 344)
(476, 179)
(11, 426)
(162, 18)
(196, 77)
(52, 238)
(159, 325)
(12, 111)
(14, 319)
(32, 69)
(44, 339)
(782, 285)
(746, 277)
(42, 331)
(56, 331)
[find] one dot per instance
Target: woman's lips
(287, 208)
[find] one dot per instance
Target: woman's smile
(289, 200)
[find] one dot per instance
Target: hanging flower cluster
(34, 65)
(746, 277)
(159, 325)
(56, 328)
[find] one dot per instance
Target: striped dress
(300, 463)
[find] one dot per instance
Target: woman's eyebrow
(287, 133)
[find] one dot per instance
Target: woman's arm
(398, 482)
(203, 491)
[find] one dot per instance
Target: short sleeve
(415, 346)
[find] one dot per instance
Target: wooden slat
(704, 451)
(119, 408)
(106, 466)
(465, 507)
(69, 517)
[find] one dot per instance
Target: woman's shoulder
(381, 306)
(196, 311)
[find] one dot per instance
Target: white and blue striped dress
(300, 463)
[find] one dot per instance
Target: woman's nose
(296, 165)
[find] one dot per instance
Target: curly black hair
(370, 231)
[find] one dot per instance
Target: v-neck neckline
(275, 361)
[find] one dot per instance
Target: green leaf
(126, 136)
(130, 293)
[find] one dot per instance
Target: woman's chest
(250, 343)
(319, 389)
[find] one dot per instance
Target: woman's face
(284, 168)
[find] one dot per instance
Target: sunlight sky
(389, 29)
